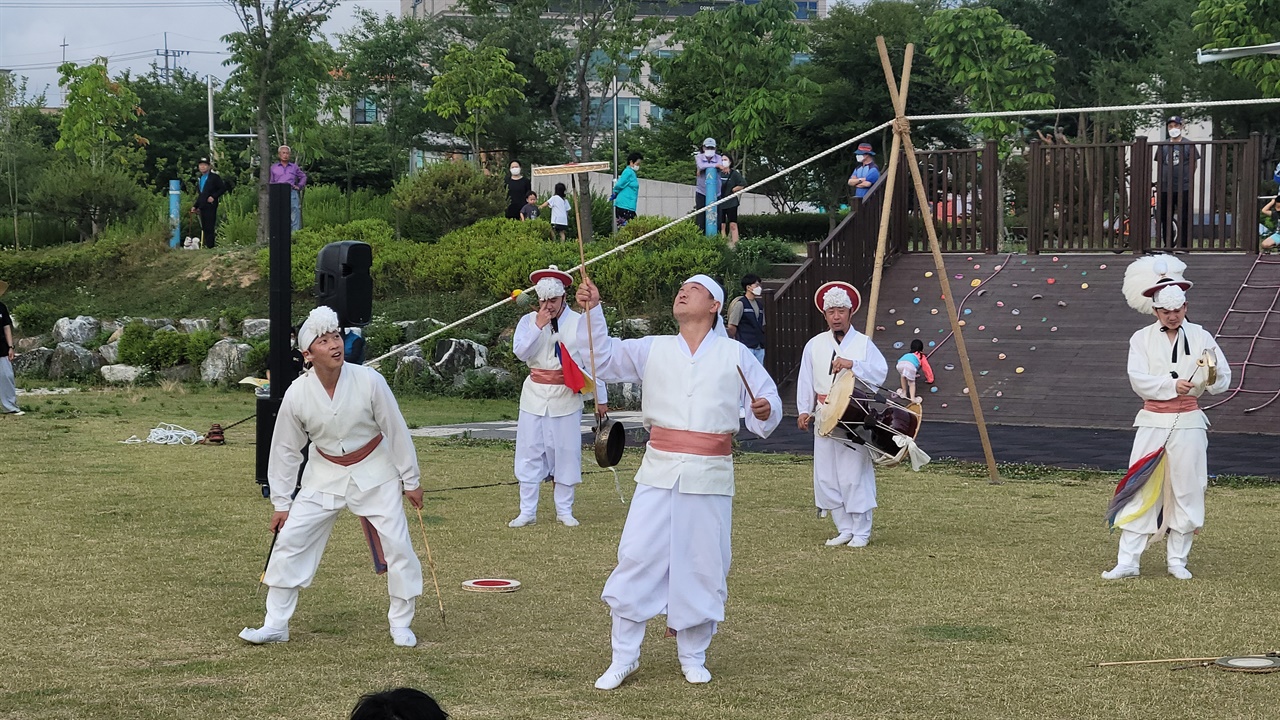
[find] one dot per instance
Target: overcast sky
(128, 32)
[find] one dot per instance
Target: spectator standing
(518, 189)
(1173, 204)
(284, 171)
(731, 181)
(707, 158)
(530, 209)
(560, 207)
(867, 173)
(8, 390)
(626, 191)
(210, 189)
(746, 317)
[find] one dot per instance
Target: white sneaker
(568, 520)
(264, 635)
(522, 521)
(841, 539)
(1120, 572)
(696, 674)
(822, 513)
(1180, 571)
(17, 413)
(403, 637)
(859, 542)
(614, 676)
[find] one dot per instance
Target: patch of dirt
(226, 271)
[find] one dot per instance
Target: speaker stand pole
(280, 296)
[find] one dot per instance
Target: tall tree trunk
(584, 206)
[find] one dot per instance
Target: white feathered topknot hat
(1156, 281)
(321, 321)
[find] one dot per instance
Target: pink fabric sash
(690, 442)
(1180, 404)
(822, 399)
(355, 456)
(547, 377)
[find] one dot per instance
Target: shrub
(755, 255)
(166, 350)
(791, 227)
(255, 362)
(36, 317)
(447, 196)
(380, 336)
(479, 385)
(391, 257)
(135, 342)
(492, 257)
(653, 270)
(86, 196)
(198, 344)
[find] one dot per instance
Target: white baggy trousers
(548, 447)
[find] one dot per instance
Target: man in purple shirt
(289, 172)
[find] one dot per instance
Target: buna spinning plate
(491, 585)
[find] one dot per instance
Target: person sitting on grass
(530, 209)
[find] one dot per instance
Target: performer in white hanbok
(844, 478)
(1172, 362)
(549, 434)
(674, 554)
(361, 458)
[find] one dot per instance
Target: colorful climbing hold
(982, 292)
(915, 289)
(965, 391)
(901, 322)
(1037, 296)
(933, 389)
(1084, 286)
(982, 327)
(1050, 281)
(959, 276)
(998, 268)
(917, 331)
(944, 404)
(1062, 303)
(915, 301)
(930, 273)
(962, 323)
(1055, 258)
(977, 267)
(1033, 348)
(1019, 370)
(1017, 327)
(1053, 329)
(897, 345)
(933, 311)
(999, 303)
(932, 343)
(983, 372)
(1001, 356)
(967, 311)
(1015, 284)
(1084, 272)
(1102, 267)
(975, 282)
(892, 311)
(948, 366)
(999, 393)
(1015, 311)
(995, 340)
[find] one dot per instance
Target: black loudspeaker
(344, 283)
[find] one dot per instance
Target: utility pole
(167, 53)
(64, 62)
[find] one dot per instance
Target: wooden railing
(962, 187)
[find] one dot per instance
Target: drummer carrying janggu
(844, 479)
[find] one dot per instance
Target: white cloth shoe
(568, 520)
(614, 676)
(859, 542)
(1180, 572)
(841, 539)
(1120, 572)
(696, 674)
(264, 635)
(404, 637)
(522, 521)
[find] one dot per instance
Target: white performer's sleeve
(1224, 370)
(581, 353)
(763, 387)
(525, 337)
(616, 360)
(395, 431)
(804, 384)
(1147, 386)
(874, 369)
(287, 441)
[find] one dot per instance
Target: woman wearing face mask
(746, 317)
(867, 173)
(518, 189)
(1177, 163)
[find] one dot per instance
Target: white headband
(1169, 298)
(836, 297)
(321, 321)
(548, 288)
(717, 294)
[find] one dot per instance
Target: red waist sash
(355, 456)
(822, 399)
(690, 442)
(547, 377)
(1180, 404)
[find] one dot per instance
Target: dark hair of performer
(399, 704)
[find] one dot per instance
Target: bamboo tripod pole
(902, 130)
(882, 240)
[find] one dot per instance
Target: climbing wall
(1048, 336)
(1249, 335)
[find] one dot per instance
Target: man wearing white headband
(1171, 363)
(361, 457)
(844, 477)
(674, 554)
(549, 434)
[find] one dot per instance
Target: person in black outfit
(1176, 160)
(518, 188)
(746, 317)
(210, 187)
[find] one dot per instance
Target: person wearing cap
(1177, 165)
(867, 173)
(674, 554)
(8, 389)
(361, 458)
(285, 171)
(705, 159)
(210, 188)
(549, 432)
(1165, 371)
(844, 478)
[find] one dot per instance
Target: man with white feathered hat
(361, 458)
(844, 477)
(549, 433)
(1171, 363)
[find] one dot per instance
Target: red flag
(574, 379)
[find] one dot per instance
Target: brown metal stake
(882, 240)
(902, 130)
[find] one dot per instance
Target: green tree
(356, 157)
(27, 136)
(280, 69)
(1239, 23)
(173, 119)
(447, 196)
(89, 197)
(100, 111)
(473, 86)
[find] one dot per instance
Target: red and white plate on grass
(491, 585)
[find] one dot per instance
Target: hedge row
(792, 227)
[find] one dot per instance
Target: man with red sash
(361, 458)
(549, 433)
(674, 554)
(844, 478)
(1164, 371)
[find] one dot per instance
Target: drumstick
(745, 384)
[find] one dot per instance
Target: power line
(106, 4)
(85, 47)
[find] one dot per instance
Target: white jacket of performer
(843, 476)
(1151, 367)
(362, 406)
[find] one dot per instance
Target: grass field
(129, 569)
